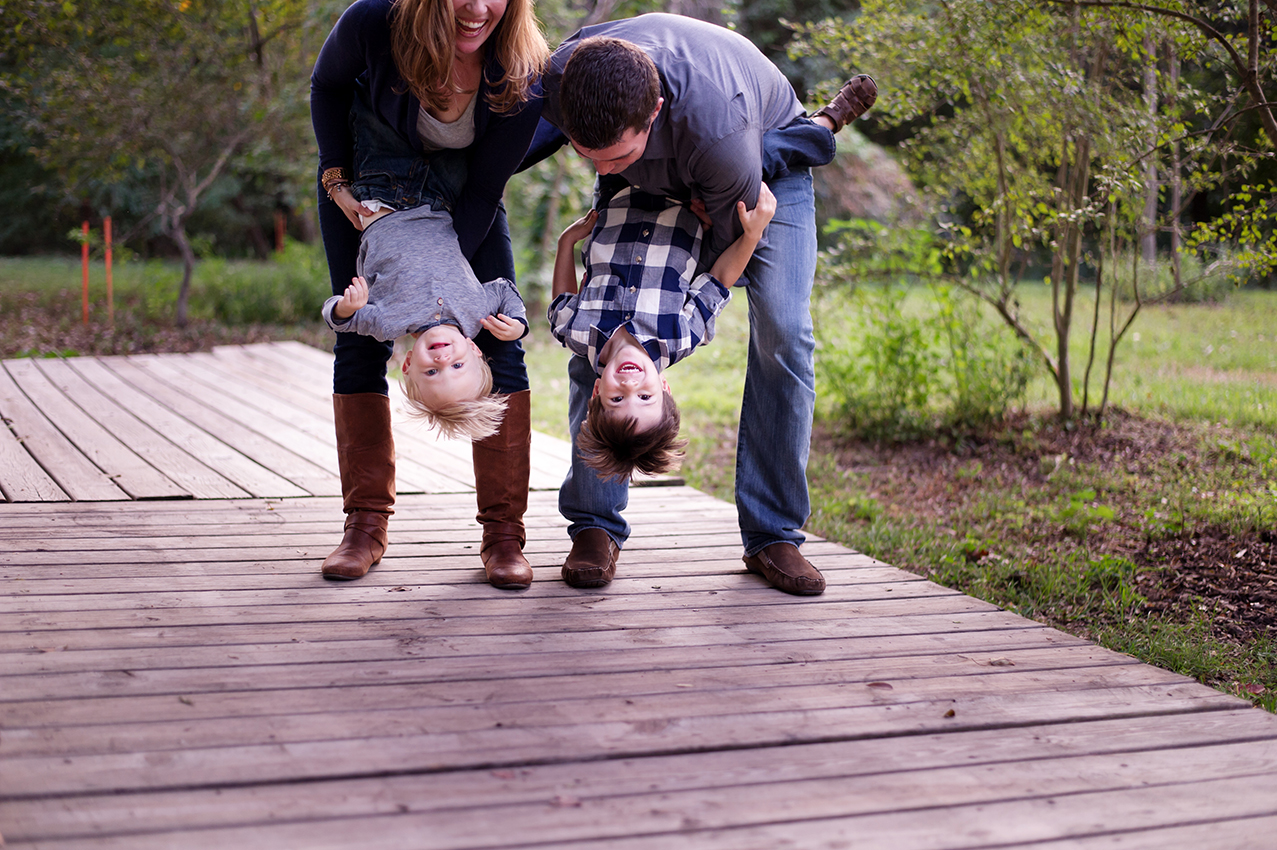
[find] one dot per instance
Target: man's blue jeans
(772, 503)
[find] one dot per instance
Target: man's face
(615, 158)
(443, 365)
(630, 386)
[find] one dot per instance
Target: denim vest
(389, 170)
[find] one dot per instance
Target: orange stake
(84, 268)
(110, 294)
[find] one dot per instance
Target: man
(675, 106)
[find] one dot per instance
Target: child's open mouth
(630, 367)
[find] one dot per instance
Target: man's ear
(660, 101)
(407, 361)
(597, 382)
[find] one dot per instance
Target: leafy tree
(1030, 126)
(167, 95)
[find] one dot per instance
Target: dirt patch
(1232, 578)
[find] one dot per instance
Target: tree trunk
(1176, 179)
(178, 234)
(1148, 223)
(1073, 176)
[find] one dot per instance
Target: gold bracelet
(333, 176)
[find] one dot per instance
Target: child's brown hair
(612, 445)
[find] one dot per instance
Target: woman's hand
(503, 327)
(350, 205)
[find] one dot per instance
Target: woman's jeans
(772, 502)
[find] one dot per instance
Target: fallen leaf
(186, 700)
(950, 713)
(882, 686)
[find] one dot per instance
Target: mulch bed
(1231, 578)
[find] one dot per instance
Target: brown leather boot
(366, 459)
(502, 464)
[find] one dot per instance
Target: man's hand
(503, 327)
(354, 298)
(755, 221)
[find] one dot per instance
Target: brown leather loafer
(784, 568)
(505, 565)
(853, 100)
(592, 561)
(362, 545)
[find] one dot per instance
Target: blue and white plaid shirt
(640, 273)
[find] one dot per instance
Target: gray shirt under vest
(418, 278)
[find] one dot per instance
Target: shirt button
(638, 259)
(440, 300)
(647, 232)
(631, 289)
(436, 315)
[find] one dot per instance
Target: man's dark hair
(608, 86)
(612, 445)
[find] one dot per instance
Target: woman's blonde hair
(423, 44)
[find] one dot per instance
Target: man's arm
(728, 172)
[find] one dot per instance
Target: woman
(460, 74)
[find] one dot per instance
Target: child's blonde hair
(474, 418)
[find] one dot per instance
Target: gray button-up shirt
(721, 94)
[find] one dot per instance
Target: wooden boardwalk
(175, 673)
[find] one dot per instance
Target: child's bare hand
(353, 299)
(755, 221)
(503, 327)
(579, 229)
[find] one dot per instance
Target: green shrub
(1158, 280)
(890, 368)
(288, 289)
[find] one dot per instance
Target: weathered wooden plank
(889, 636)
(820, 809)
(130, 471)
(507, 735)
(21, 478)
(274, 423)
(1240, 806)
(529, 676)
(550, 456)
(441, 475)
(613, 650)
(231, 475)
(156, 447)
(649, 508)
(74, 473)
(307, 477)
(577, 788)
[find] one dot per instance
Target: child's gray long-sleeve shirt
(418, 278)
